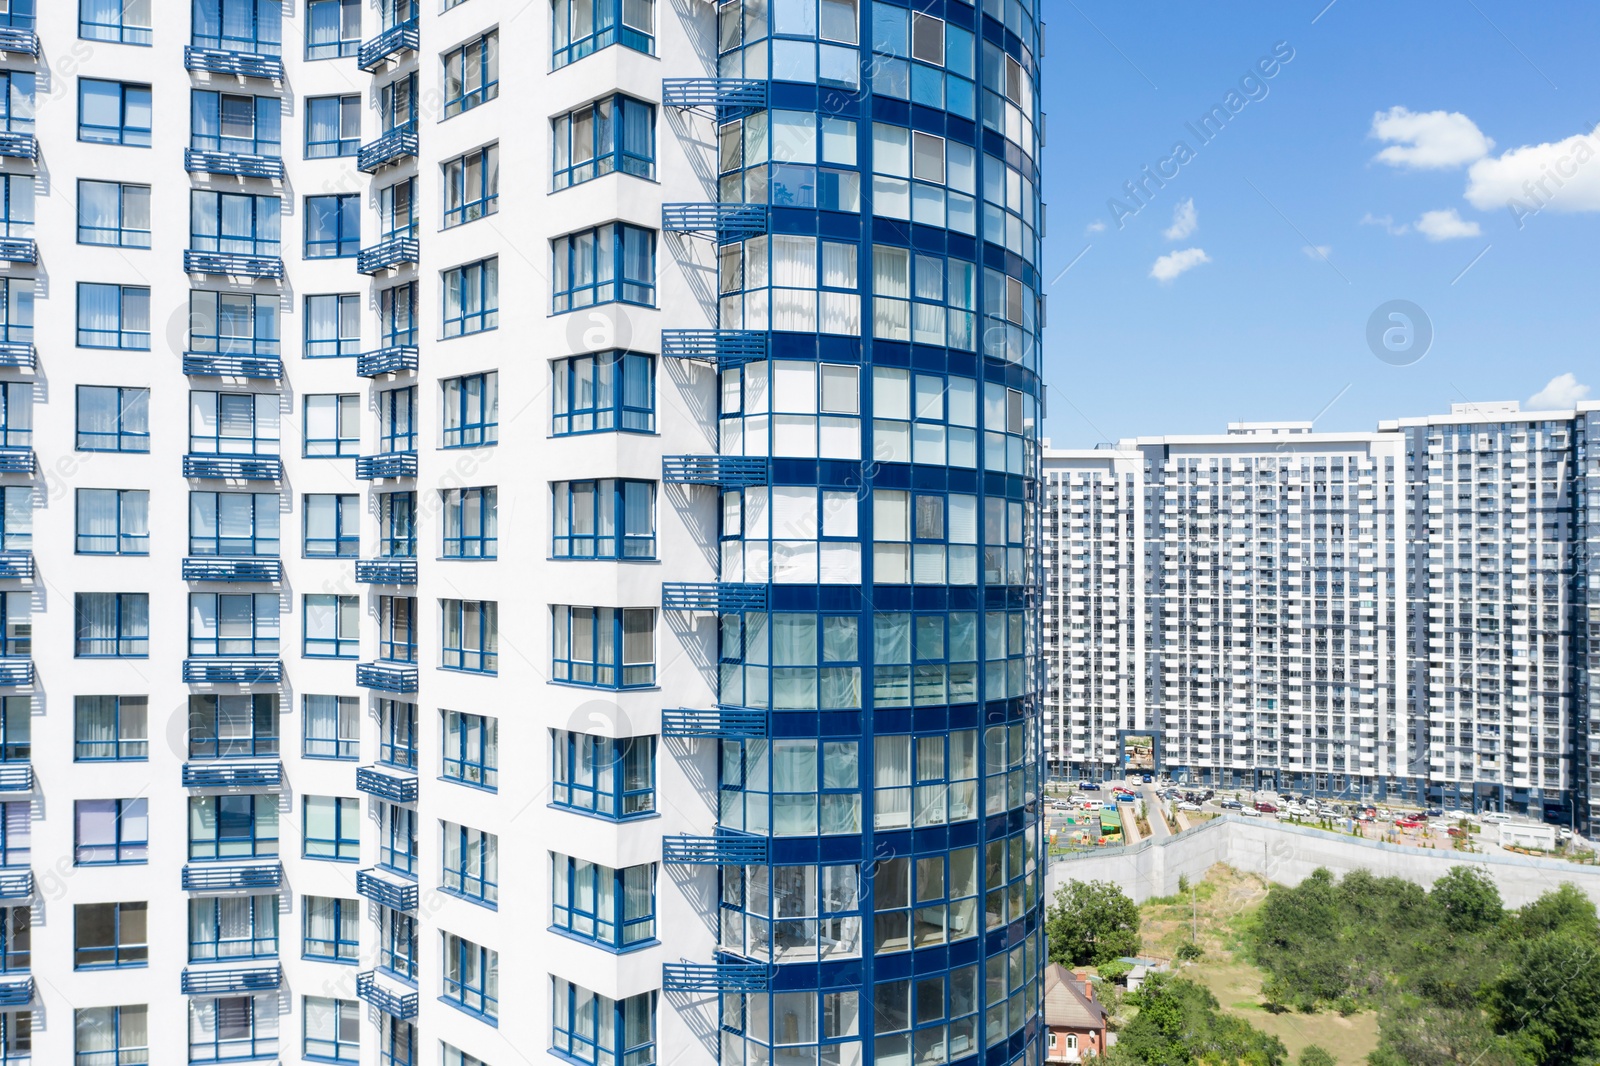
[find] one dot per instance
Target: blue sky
(1299, 230)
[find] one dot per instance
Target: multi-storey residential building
(642, 668)
(1397, 613)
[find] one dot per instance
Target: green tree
(1179, 1024)
(1469, 900)
(1547, 1002)
(1091, 923)
(1565, 908)
(1315, 1056)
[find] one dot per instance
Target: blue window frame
(582, 28)
(603, 393)
(16, 518)
(397, 420)
(114, 214)
(614, 908)
(16, 624)
(333, 28)
(471, 863)
(16, 729)
(397, 1042)
(113, 316)
(397, 734)
(606, 519)
(233, 323)
(394, 13)
(333, 226)
(113, 21)
(333, 326)
(113, 419)
(110, 935)
(111, 1036)
(332, 1029)
(472, 297)
(233, 423)
(233, 927)
(589, 642)
(16, 833)
(397, 838)
(16, 414)
(614, 262)
(332, 526)
(16, 100)
(454, 1056)
(332, 626)
(610, 135)
(235, 123)
(16, 946)
(333, 126)
(397, 525)
(471, 523)
(233, 623)
(397, 943)
(110, 728)
(332, 426)
(16, 310)
(113, 522)
(592, 1029)
(233, 1027)
(235, 223)
(397, 316)
(332, 828)
(330, 727)
(233, 726)
(332, 931)
(112, 625)
(234, 523)
(611, 777)
(16, 205)
(113, 112)
(471, 409)
(397, 210)
(470, 636)
(397, 628)
(471, 976)
(253, 26)
(111, 832)
(472, 186)
(397, 104)
(472, 74)
(471, 749)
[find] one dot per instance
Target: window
(16, 624)
(454, 1056)
(614, 134)
(616, 908)
(397, 420)
(472, 75)
(16, 833)
(589, 642)
(331, 727)
(470, 524)
(611, 777)
(603, 393)
(111, 1036)
(234, 726)
(608, 519)
(112, 419)
(109, 934)
(333, 125)
(235, 224)
(233, 623)
(471, 410)
(397, 210)
(233, 323)
(236, 124)
(333, 326)
(472, 298)
(471, 976)
(595, 1029)
(115, 831)
(333, 929)
(112, 625)
(110, 728)
(233, 1027)
(397, 628)
(113, 522)
(233, 523)
(471, 637)
(16, 518)
(16, 310)
(111, 112)
(332, 828)
(16, 205)
(333, 226)
(397, 316)
(471, 749)
(471, 862)
(116, 21)
(584, 27)
(397, 734)
(254, 26)
(113, 214)
(397, 838)
(16, 728)
(397, 525)
(614, 262)
(233, 927)
(16, 951)
(113, 316)
(333, 28)
(333, 1028)
(16, 101)
(232, 423)
(472, 186)
(333, 526)
(333, 426)
(398, 105)
(397, 943)
(332, 626)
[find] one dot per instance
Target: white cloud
(1184, 221)
(1428, 140)
(1446, 225)
(1170, 266)
(1561, 394)
(1095, 227)
(1318, 251)
(1387, 222)
(1564, 175)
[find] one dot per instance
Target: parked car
(1434, 812)
(1267, 808)
(1188, 806)
(1407, 823)
(1494, 816)
(1088, 786)
(1148, 779)
(1232, 805)
(1297, 810)
(1125, 797)
(1250, 812)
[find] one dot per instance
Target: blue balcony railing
(15, 992)
(386, 571)
(18, 354)
(725, 722)
(227, 982)
(727, 471)
(18, 250)
(391, 42)
(227, 569)
(229, 264)
(231, 877)
(234, 467)
(387, 254)
(15, 460)
(16, 672)
(232, 671)
(239, 164)
(19, 39)
(262, 368)
(18, 145)
(16, 565)
(713, 92)
(396, 788)
(395, 359)
(16, 883)
(401, 1005)
(725, 222)
(712, 596)
(399, 143)
(232, 774)
(16, 777)
(386, 678)
(724, 347)
(239, 64)
(715, 977)
(391, 894)
(723, 849)
(388, 465)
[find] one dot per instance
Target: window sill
(324, 958)
(329, 858)
(610, 949)
(487, 1019)
(599, 817)
(490, 789)
(193, 961)
(110, 862)
(487, 905)
(469, 673)
(653, 686)
(330, 758)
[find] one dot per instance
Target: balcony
(724, 347)
(386, 571)
(725, 722)
(18, 354)
(16, 566)
(261, 368)
(396, 788)
(723, 471)
(230, 982)
(238, 164)
(16, 884)
(16, 672)
(18, 145)
(232, 671)
(228, 264)
(14, 460)
(229, 878)
(389, 465)
(20, 39)
(397, 897)
(386, 678)
(16, 777)
(395, 359)
(401, 1005)
(387, 254)
(18, 250)
(238, 570)
(398, 144)
(234, 467)
(688, 93)
(715, 977)
(232, 775)
(390, 43)
(712, 596)
(16, 992)
(239, 64)
(724, 222)
(723, 849)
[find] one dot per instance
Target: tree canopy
(1091, 923)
